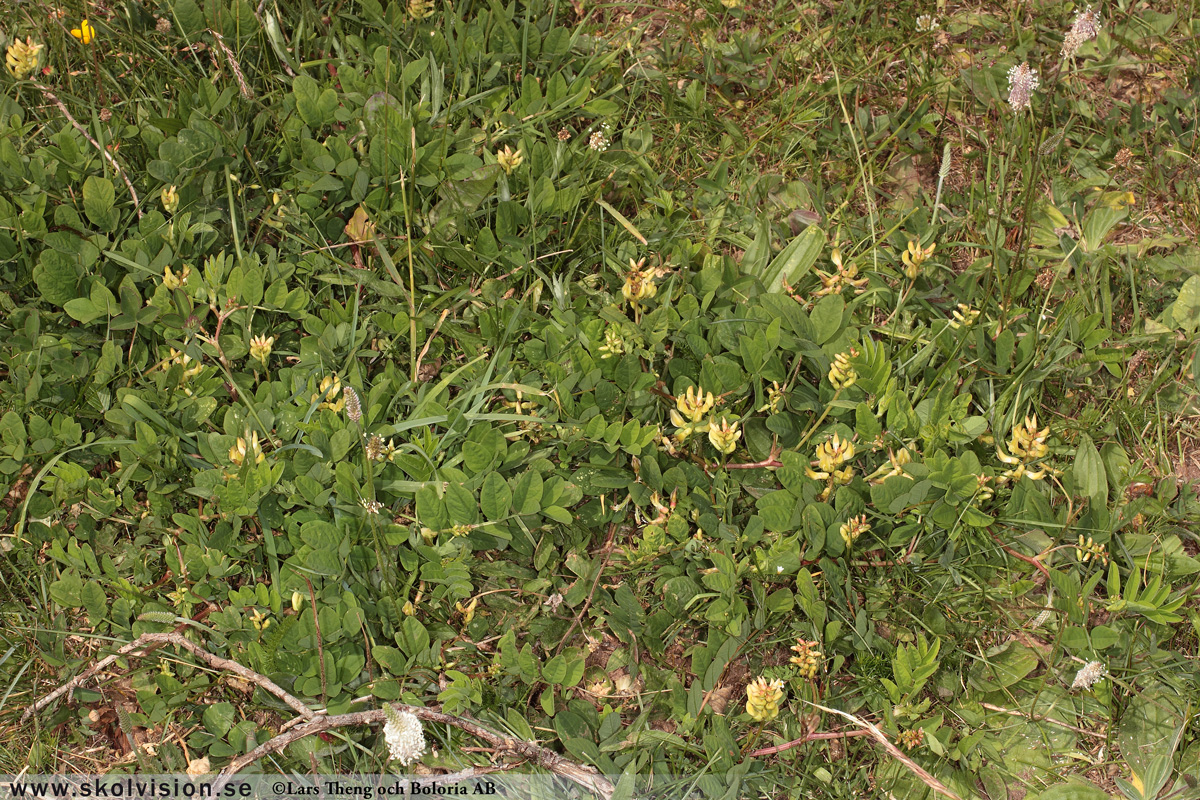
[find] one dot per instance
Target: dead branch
(53, 98)
(310, 722)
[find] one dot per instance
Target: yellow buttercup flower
(85, 32)
(22, 58)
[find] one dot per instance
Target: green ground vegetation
(633, 378)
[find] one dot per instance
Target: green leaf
(98, 199)
(795, 260)
(1004, 667)
(495, 498)
(1149, 727)
(527, 493)
(1185, 311)
(390, 659)
(461, 505)
(219, 717)
(1074, 789)
(826, 318)
(1089, 470)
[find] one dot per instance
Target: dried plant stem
(1049, 720)
(53, 98)
(548, 759)
(893, 751)
(310, 722)
(158, 640)
(812, 737)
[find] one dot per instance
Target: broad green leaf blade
(795, 260)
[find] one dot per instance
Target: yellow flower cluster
(693, 405)
(853, 528)
(170, 199)
(763, 698)
(1027, 444)
(807, 659)
(238, 453)
(173, 281)
(845, 276)
(508, 159)
(260, 347)
(724, 437)
(841, 373)
(22, 57)
(330, 387)
(639, 282)
(1087, 549)
(893, 467)
(830, 456)
(914, 257)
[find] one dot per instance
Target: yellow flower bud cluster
(1087, 549)
(914, 257)
(330, 387)
(846, 275)
(964, 316)
(853, 528)
(260, 347)
(841, 373)
(238, 453)
(912, 738)
(170, 199)
(22, 57)
(763, 698)
(830, 457)
(639, 282)
(173, 281)
(183, 359)
(509, 159)
(807, 659)
(723, 437)
(1027, 444)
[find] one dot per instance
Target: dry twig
(893, 751)
(53, 98)
(310, 722)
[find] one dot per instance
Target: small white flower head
(1022, 82)
(927, 23)
(1085, 28)
(371, 506)
(554, 601)
(599, 140)
(1089, 675)
(402, 732)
